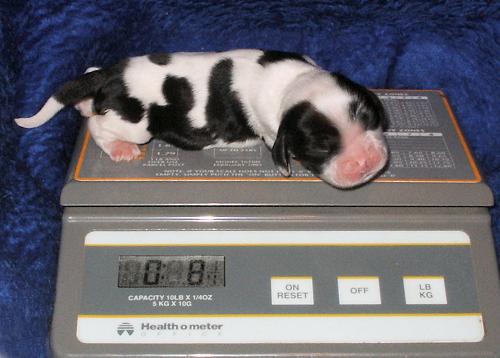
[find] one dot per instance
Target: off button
(359, 290)
(292, 290)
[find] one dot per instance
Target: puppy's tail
(68, 94)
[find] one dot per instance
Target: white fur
(262, 90)
(144, 80)
(92, 69)
(49, 109)
(111, 127)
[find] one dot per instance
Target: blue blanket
(401, 44)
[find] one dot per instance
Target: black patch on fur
(113, 95)
(225, 113)
(84, 86)
(179, 93)
(366, 107)
(170, 122)
(160, 58)
(270, 57)
(308, 135)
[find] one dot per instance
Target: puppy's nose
(356, 169)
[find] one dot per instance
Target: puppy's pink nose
(354, 170)
(357, 167)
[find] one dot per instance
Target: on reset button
(292, 290)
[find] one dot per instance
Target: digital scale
(214, 253)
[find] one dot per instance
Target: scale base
(482, 298)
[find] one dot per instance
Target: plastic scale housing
(213, 253)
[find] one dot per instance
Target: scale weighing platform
(214, 253)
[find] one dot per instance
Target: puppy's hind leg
(86, 107)
(117, 149)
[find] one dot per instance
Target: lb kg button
(425, 290)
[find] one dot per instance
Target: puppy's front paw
(124, 151)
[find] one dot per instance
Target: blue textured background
(402, 44)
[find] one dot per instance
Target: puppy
(332, 125)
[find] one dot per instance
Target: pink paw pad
(121, 150)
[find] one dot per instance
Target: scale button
(292, 290)
(424, 290)
(359, 290)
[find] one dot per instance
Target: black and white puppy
(330, 124)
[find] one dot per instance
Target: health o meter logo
(125, 327)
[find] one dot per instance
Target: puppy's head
(337, 133)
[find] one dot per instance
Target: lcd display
(171, 271)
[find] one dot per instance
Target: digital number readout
(171, 271)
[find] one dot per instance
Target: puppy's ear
(381, 116)
(281, 155)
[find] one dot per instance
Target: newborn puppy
(330, 124)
